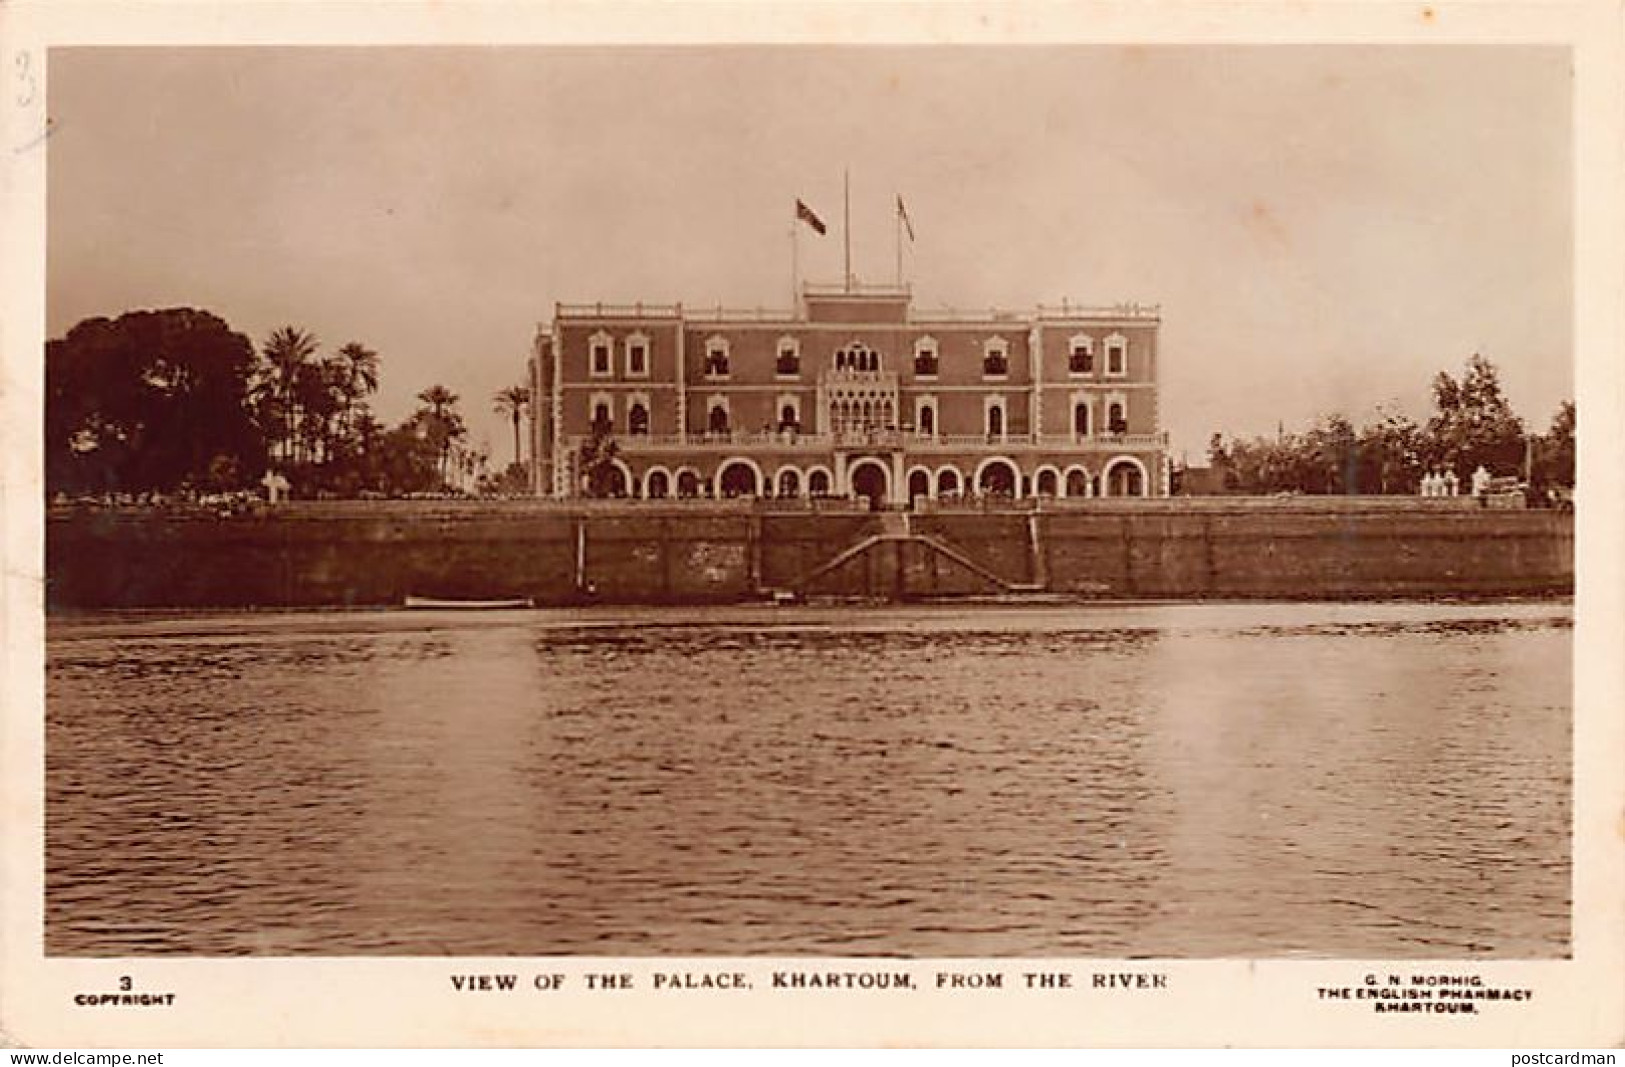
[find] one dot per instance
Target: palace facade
(853, 394)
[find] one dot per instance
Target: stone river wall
(378, 553)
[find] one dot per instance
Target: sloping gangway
(897, 533)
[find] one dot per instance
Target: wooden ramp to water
(899, 564)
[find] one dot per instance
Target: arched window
(717, 420)
(789, 418)
(716, 357)
(1115, 422)
(789, 482)
(789, 358)
(1045, 483)
(688, 484)
(601, 420)
(928, 421)
(637, 420)
(818, 483)
(995, 421)
(996, 358)
(925, 357)
(919, 484)
(1080, 419)
(1077, 482)
(659, 485)
(948, 482)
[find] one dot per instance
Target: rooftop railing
(721, 313)
(620, 311)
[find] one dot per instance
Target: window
(1080, 418)
(1116, 420)
(637, 356)
(716, 358)
(716, 415)
(1082, 358)
(789, 414)
(928, 421)
(857, 357)
(1117, 355)
(600, 346)
(788, 363)
(925, 358)
(603, 422)
(637, 420)
(995, 420)
(996, 358)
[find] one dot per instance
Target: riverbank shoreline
(376, 554)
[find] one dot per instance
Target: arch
(688, 483)
(1124, 476)
(716, 419)
(789, 406)
(787, 482)
(919, 483)
(1047, 481)
(925, 416)
(621, 482)
(1081, 354)
(876, 487)
(656, 483)
(1076, 482)
(731, 482)
(995, 417)
(998, 476)
(637, 419)
(819, 481)
(949, 481)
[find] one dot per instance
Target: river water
(1262, 780)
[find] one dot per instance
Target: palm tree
(288, 351)
(359, 366)
(444, 425)
(513, 402)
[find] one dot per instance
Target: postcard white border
(410, 1002)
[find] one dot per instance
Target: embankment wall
(304, 555)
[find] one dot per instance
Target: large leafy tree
(152, 400)
(1473, 425)
(595, 460)
(1554, 452)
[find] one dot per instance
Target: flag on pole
(805, 214)
(902, 213)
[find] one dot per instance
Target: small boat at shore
(440, 603)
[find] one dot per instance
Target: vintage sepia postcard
(813, 524)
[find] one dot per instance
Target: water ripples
(1179, 781)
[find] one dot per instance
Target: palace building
(854, 394)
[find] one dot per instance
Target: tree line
(1471, 425)
(175, 401)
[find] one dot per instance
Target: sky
(1324, 227)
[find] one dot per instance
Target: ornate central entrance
(870, 479)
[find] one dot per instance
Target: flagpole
(897, 232)
(846, 222)
(795, 265)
